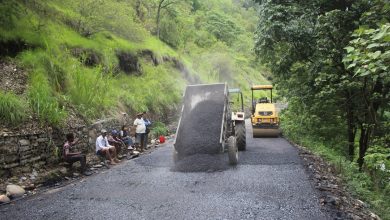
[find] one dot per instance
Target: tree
(162, 5)
(369, 59)
(302, 43)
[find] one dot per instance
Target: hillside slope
(92, 59)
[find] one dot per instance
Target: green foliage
(151, 93)
(362, 185)
(158, 129)
(42, 100)
(9, 12)
(170, 33)
(90, 17)
(91, 91)
(12, 108)
(222, 27)
(369, 53)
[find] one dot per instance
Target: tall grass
(91, 91)
(42, 100)
(157, 90)
(12, 108)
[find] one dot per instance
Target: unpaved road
(270, 182)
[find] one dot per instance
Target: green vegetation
(158, 129)
(101, 57)
(330, 60)
(12, 108)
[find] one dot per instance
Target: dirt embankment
(335, 195)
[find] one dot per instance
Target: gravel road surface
(270, 182)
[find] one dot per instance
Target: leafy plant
(158, 129)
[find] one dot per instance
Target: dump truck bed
(200, 126)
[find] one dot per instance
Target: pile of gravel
(200, 126)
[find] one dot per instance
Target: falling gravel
(199, 130)
(202, 163)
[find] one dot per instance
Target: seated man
(114, 140)
(71, 157)
(124, 135)
(104, 149)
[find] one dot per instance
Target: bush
(12, 108)
(158, 129)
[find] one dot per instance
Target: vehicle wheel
(232, 150)
(241, 136)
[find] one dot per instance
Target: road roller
(265, 119)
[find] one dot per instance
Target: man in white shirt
(104, 149)
(140, 131)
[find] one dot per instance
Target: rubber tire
(240, 136)
(232, 150)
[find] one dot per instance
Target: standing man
(103, 148)
(148, 124)
(71, 157)
(140, 131)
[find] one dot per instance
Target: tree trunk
(363, 145)
(351, 139)
(138, 10)
(351, 129)
(158, 18)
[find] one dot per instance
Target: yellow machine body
(265, 119)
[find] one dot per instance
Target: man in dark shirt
(72, 157)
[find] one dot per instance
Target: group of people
(110, 146)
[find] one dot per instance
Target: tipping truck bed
(200, 127)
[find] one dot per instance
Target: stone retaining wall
(18, 151)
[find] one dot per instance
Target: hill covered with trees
(92, 59)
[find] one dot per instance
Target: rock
(317, 176)
(23, 178)
(63, 171)
(332, 200)
(76, 174)
(359, 204)
(24, 142)
(13, 179)
(354, 217)
(15, 191)
(29, 187)
(97, 166)
(374, 216)
(4, 199)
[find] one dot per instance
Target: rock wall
(26, 150)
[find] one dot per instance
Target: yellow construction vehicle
(265, 119)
